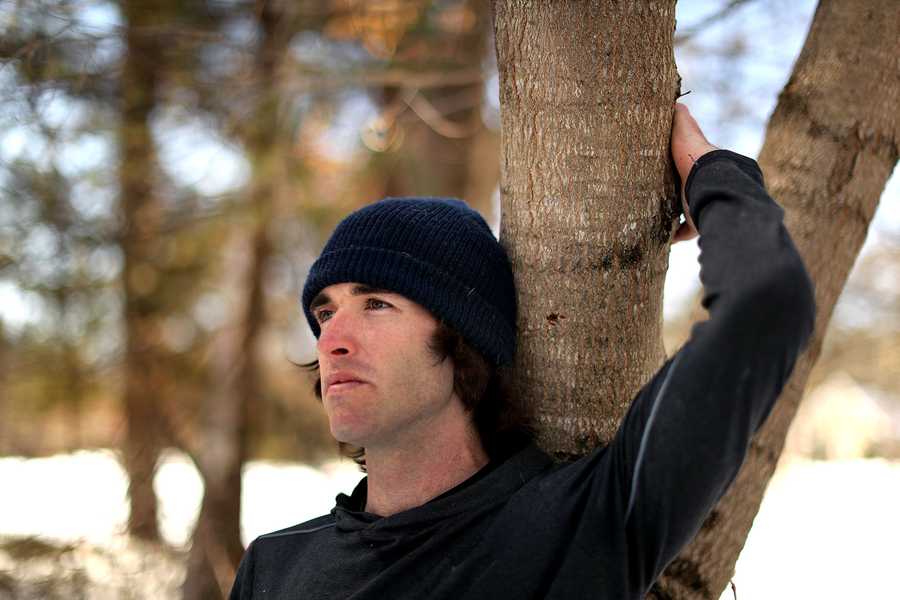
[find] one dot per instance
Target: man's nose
(337, 337)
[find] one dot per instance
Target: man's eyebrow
(363, 289)
(320, 299)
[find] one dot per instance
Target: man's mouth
(343, 386)
(342, 382)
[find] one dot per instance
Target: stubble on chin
(347, 420)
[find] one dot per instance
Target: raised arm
(688, 430)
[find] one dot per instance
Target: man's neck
(407, 476)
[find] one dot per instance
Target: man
(457, 503)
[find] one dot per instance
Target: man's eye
(323, 315)
(375, 304)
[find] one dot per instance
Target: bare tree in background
(430, 140)
(586, 92)
(216, 546)
(142, 213)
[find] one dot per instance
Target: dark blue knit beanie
(437, 252)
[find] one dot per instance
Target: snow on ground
(825, 529)
(82, 496)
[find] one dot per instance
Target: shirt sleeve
(688, 430)
(242, 589)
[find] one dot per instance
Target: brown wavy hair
(485, 390)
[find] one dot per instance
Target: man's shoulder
(306, 528)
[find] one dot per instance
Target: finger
(686, 121)
(688, 141)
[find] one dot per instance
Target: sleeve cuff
(746, 164)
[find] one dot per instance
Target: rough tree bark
(830, 147)
(141, 216)
(216, 546)
(586, 95)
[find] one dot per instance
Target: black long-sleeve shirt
(606, 525)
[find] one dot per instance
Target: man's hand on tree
(688, 144)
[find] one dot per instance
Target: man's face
(381, 384)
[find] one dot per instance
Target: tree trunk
(141, 215)
(216, 547)
(586, 95)
(830, 147)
